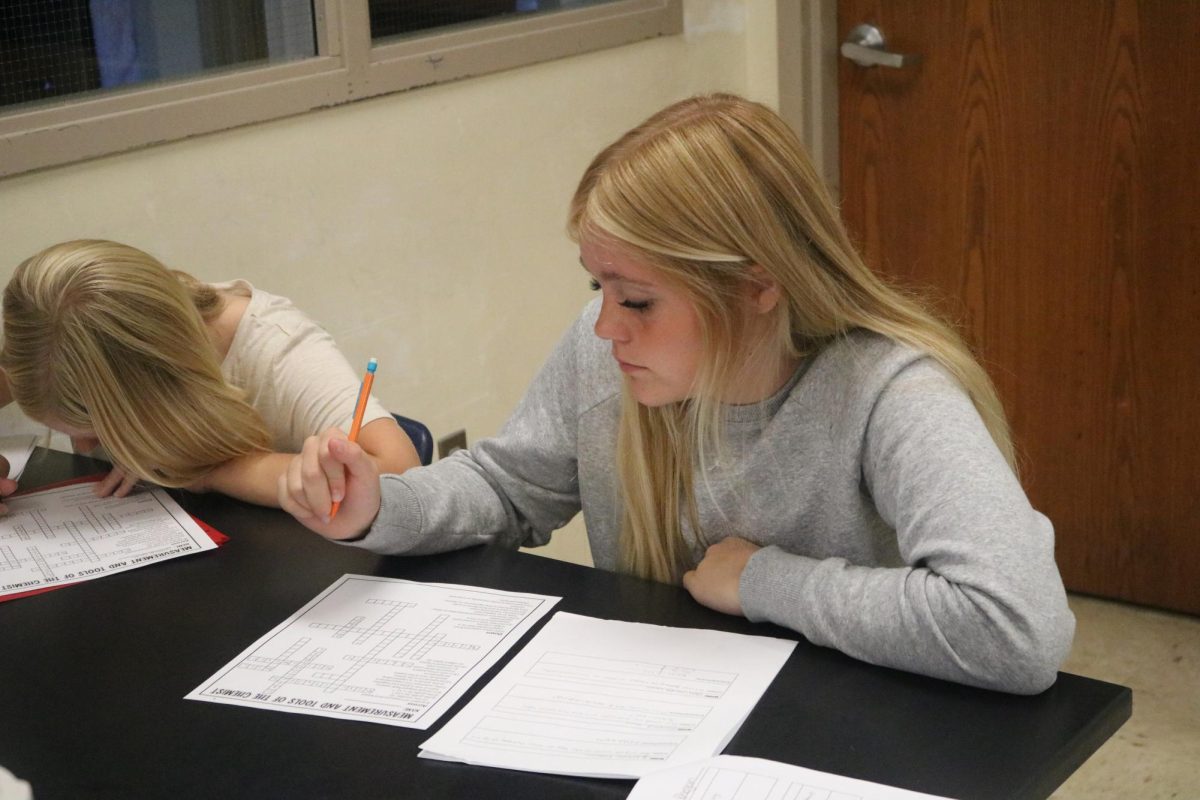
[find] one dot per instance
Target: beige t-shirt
(291, 370)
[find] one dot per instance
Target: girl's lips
(627, 368)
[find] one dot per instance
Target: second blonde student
(184, 384)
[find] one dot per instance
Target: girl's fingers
(335, 472)
(109, 482)
(313, 481)
(289, 490)
(127, 485)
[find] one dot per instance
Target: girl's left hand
(117, 483)
(714, 581)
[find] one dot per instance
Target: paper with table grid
(378, 650)
(611, 699)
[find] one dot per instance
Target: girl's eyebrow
(609, 275)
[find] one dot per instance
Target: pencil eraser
(371, 365)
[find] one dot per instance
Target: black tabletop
(92, 680)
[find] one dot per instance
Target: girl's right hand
(330, 467)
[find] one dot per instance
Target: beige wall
(424, 228)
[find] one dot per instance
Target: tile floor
(1156, 754)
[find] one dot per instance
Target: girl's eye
(635, 305)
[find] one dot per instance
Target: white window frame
(347, 67)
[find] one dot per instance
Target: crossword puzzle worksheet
(66, 535)
(378, 649)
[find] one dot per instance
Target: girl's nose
(608, 325)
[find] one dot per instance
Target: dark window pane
(46, 50)
(51, 48)
(400, 17)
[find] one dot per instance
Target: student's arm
(514, 489)
(255, 477)
(388, 446)
(978, 599)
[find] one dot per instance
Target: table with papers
(93, 680)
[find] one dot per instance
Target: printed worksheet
(612, 699)
(740, 778)
(66, 535)
(378, 649)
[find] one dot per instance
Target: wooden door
(1039, 170)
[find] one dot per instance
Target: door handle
(865, 46)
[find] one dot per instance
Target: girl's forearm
(253, 478)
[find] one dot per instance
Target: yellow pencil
(360, 408)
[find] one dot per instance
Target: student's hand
(117, 483)
(714, 581)
(331, 467)
(7, 484)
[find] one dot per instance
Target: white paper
(378, 649)
(17, 449)
(740, 778)
(68, 534)
(612, 699)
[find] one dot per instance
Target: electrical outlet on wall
(451, 442)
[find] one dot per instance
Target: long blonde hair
(704, 191)
(101, 336)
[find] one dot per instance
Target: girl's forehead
(609, 262)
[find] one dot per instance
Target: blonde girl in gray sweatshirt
(747, 410)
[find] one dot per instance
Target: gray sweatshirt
(891, 527)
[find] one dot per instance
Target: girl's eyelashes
(635, 305)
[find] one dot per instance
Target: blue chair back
(422, 439)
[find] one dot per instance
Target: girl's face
(652, 326)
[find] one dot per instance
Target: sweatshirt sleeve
(514, 489)
(979, 599)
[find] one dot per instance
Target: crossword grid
(87, 554)
(66, 535)
(100, 524)
(304, 669)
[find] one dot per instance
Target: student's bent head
(101, 337)
(714, 198)
(717, 195)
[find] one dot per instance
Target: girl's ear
(763, 290)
